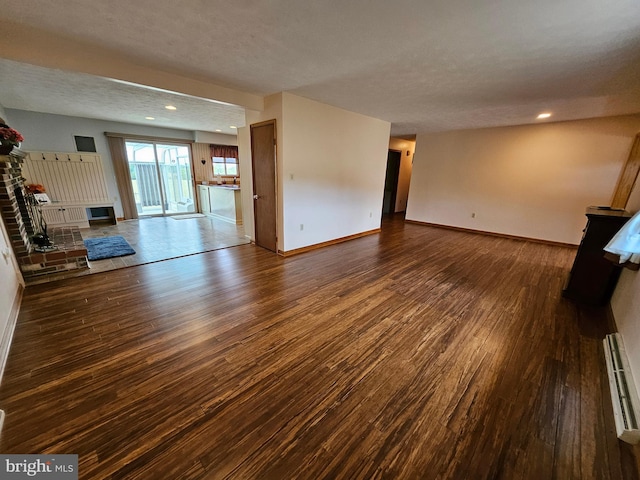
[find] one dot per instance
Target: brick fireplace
(70, 252)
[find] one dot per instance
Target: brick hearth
(70, 254)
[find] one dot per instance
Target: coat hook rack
(43, 157)
(81, 158)
(68, 157)
(57, 157)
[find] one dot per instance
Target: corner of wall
(3, 114)
(6, 334)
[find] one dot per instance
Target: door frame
(160, 141)
(275, 179)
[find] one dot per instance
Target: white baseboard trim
(7, 335)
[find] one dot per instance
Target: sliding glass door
(161, 177)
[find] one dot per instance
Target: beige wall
(214, 137)
(330, 170)
(408, 148)
(333, 169)
(625, 304)
(531, 181)
(272, 111)
(244, 159)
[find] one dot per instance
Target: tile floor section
(159, 238)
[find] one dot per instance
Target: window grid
(225, 166)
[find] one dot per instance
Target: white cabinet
(226, 204)
(222, 202)
(203, 195)
(57, 215)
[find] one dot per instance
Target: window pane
(231, 160)
(218, 169)
(232, 169)
(218, 159)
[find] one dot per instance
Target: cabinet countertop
(607, 212)
(225, 187)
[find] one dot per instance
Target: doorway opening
(161, 177)
(391, 182)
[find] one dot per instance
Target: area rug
(189, 215)
(107, 247)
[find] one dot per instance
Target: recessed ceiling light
(150, 118)
(218, 130)
(232, 126)
(170, 107)
(543, 115)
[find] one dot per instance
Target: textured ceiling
(33, 88)
(424, 65)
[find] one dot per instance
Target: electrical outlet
(301, 227)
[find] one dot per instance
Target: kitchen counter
(221, 201)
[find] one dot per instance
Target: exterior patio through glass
(161, 177)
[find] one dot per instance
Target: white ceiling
(424, 65)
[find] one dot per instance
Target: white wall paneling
(68, 177)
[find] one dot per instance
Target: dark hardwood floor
(418, 353)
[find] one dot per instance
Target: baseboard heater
(624, 395)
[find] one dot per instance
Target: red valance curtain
(224, 151)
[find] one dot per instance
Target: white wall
(214, 137)
(244, 165)
(338, 163)
(10, 283)
(531, 181)
(47, 132)
(11, 280)
(625, 305)
(408, 148)
(333, 169)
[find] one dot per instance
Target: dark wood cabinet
(593, 277)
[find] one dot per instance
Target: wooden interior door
(263, 159)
